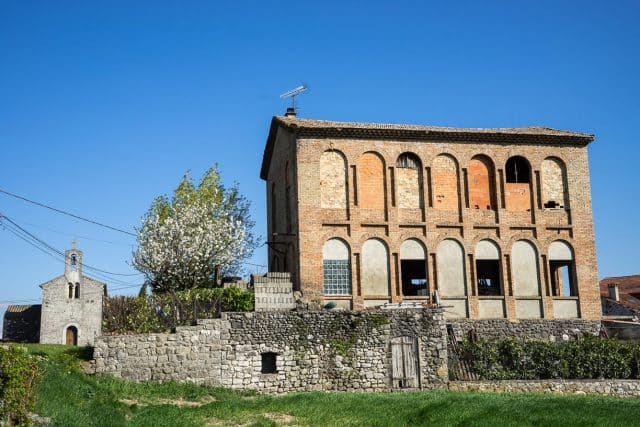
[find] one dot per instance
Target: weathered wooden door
(404, 363)
(72, 335)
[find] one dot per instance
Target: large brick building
(496, 222)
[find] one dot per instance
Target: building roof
(310, 128)
(628, 289)
(20, 308)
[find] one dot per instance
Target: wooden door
(72, 336)
(404, 363)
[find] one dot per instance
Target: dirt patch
(278, 418)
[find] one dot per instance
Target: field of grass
(70, 398)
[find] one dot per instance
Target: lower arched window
(375, 268)
(413, 263)
(336, 268)
(524, 269)
(488, 268)
(562, 269)
(450, 268)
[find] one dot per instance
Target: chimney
(614, 292)
(291, 112)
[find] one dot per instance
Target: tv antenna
(292, 94)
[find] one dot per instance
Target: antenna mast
(291, 111)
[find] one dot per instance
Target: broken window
(518, 170)
(269, 363)
(488, 268)
(562, 269)
(413, 265)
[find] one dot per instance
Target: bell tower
(73, 264)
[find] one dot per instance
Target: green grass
(71, 398)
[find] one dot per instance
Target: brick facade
(465, 194)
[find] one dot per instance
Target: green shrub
(18, 375)
(162, 312)
(585, 358)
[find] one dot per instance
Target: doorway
(72, 335)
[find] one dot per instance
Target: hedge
(19, 373)
(589, 357)
(163, 312)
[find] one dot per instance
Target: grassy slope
(72, 398)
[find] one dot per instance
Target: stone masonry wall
(527, 328)
(323, 350)
(603, 387)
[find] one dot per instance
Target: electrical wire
(42, 205)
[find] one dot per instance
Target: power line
(43, 246)
(66, 213)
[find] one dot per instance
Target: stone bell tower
(71, 304)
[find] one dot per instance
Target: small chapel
(70, 313)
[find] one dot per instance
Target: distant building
(497, 222)
(70, 313)
(621, 296)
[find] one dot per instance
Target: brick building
(496, 222)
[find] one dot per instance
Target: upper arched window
(481, 183)
(371, 191)
(74, 262)
(518, 170)
(333, 180)
(408, 178)
(336, 267)
(554, 188)
(445, 183)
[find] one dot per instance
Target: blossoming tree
(182, 240)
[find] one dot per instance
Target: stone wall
(21, 323)
(273, 291)
(320, 350)
(602, 387)
(527, 328)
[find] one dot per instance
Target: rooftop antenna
(291, 111)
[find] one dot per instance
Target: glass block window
(337, 276)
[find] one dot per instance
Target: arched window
(481, 183)
(488, 272)
(408, 178)
(333, 180)
(445, 183)
(413, 265)
(71, 288)
(71, 336)
(336, 268)
(375, 268)
(524, 269)
(554, 188)
(518, 181)
(562, 269)
(518, 171)
(371, 191)
(74, 262)
(77, 290)
(450, 265)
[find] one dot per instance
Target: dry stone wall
(314, 350)
(625, 388)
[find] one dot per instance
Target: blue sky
(104, 105)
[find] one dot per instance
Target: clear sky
(104, 105)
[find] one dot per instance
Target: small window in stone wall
(70, 290)
(269, 363)
(77, 292)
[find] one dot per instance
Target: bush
(18, 375)
(161, 312)
(585, 358)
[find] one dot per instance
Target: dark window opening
(488, 274)
(408, 160)
(77, 293)
(74, 262)
(552, 204)
(518, 171)
(70, 290)
(414, 277)
(269, 363)
(562, 278)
